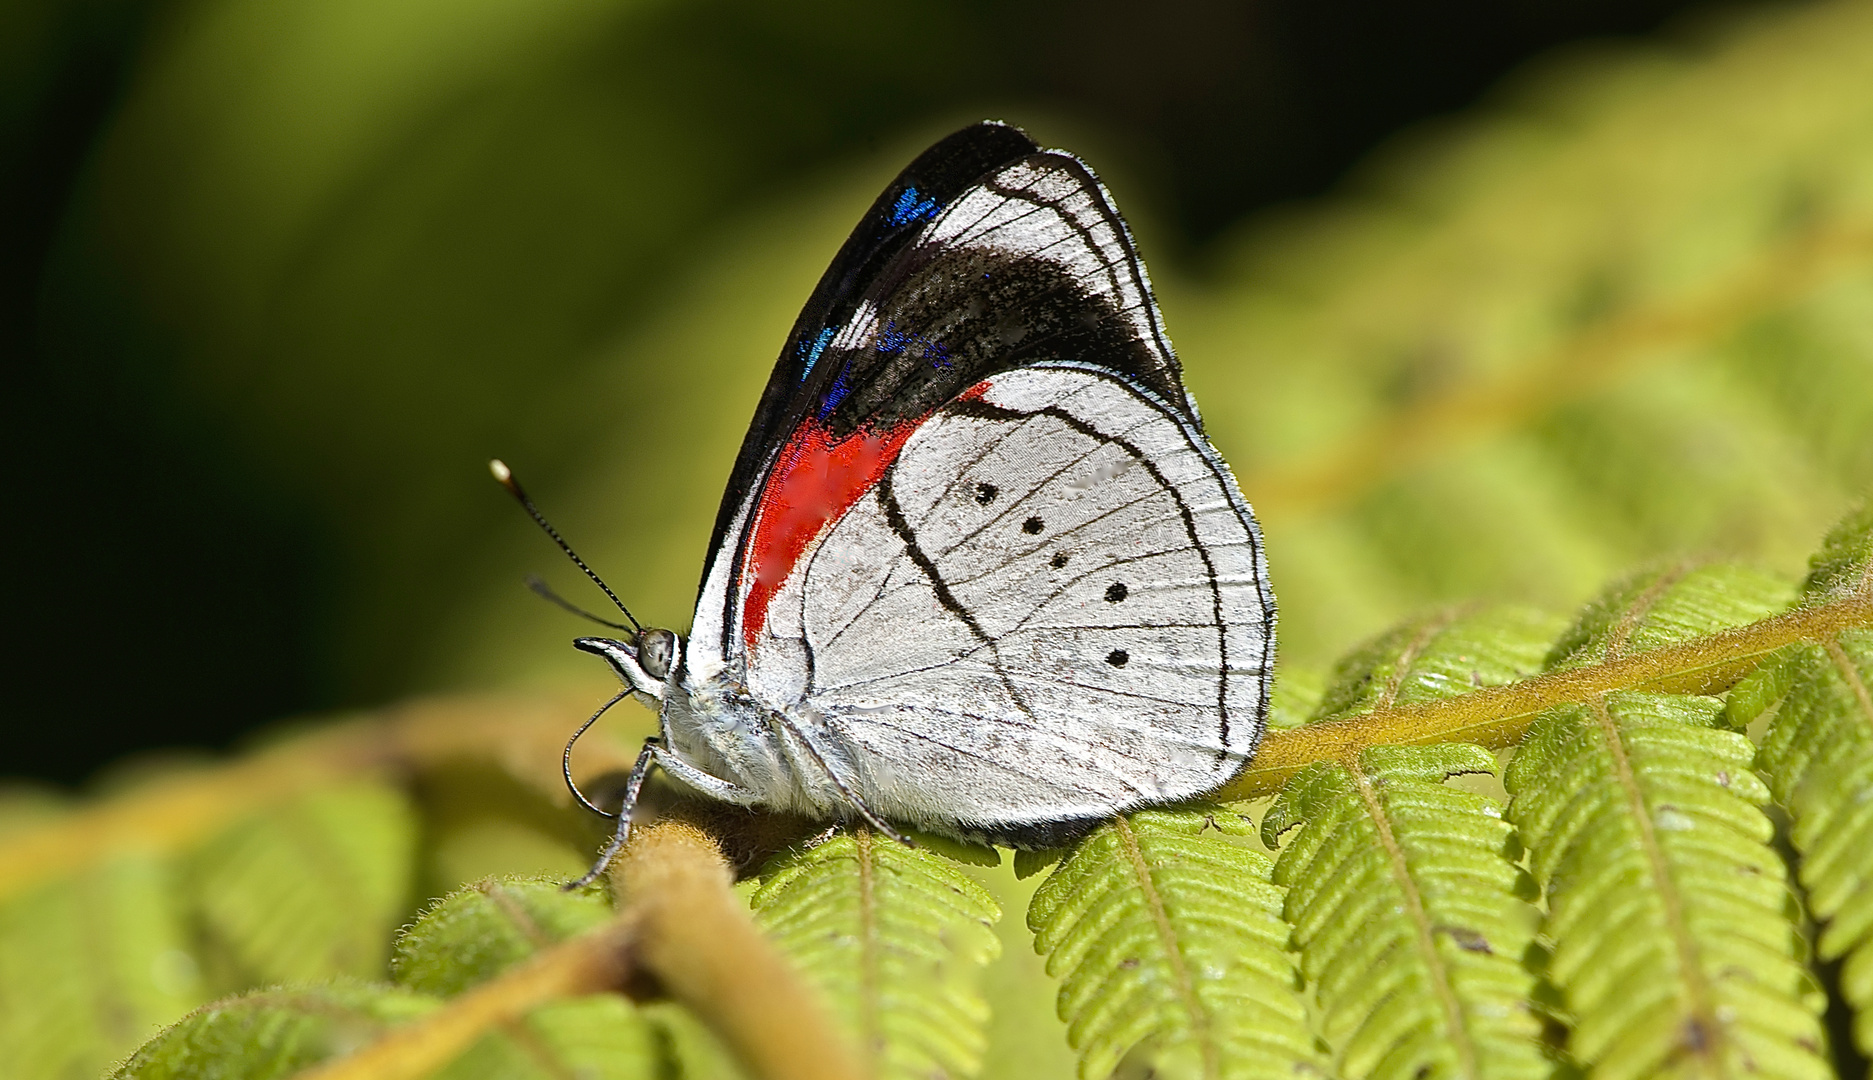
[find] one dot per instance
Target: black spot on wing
(987, 411)
(1033, 526)
(1116, 592)
(894, 516)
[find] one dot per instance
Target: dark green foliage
(309, 888)
(273, 1033)
(1411, 916)
(897, 938)
(478, 932)
(1167, 938)
(1676, 944)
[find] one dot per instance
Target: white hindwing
(1053, 606)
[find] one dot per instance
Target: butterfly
(977, 570)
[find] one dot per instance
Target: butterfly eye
(656, 653)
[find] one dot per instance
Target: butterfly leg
(623, 832)
(713, 786)
(683, 771)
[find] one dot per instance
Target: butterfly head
(644, 663)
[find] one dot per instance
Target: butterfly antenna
(505, 477)
(546, 593)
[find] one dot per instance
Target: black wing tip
(956, 161)
(996, 140)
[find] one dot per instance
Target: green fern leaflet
(1167, 938)
(897, 938)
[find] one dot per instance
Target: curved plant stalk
(684, 925)
(701, 943)
(521, 734)
(1498, 716)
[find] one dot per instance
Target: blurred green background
(278, 276)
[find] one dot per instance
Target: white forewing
(1053, 606)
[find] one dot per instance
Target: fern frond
(1410, 916)
(1439, 655)
(1817, 756)
(90, 966)
(476, 933)
(310, 887)
(896, 938)
(464, 939)
(1167, 935)
(1499, 716)
(1674, 935)
(1402, 890)
(273, 1033)
(1666, 605)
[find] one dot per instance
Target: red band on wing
(816, 480)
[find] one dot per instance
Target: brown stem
(1497, 716)
(591, 963)
(681, 923)
(173, 814)
(523, 734)
(701, 943)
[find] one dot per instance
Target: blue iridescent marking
(835, 393)
(912, 206)
(811, 350)
(893, 340)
